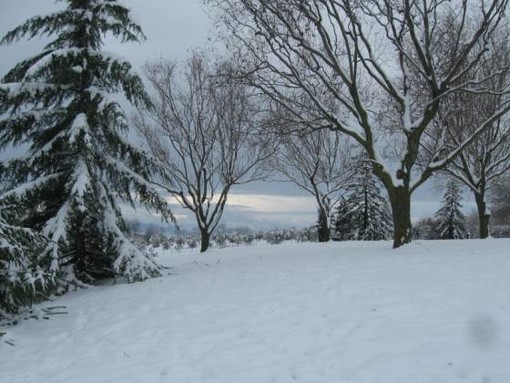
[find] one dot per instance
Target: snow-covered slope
(339, 312)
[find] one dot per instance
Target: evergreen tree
(342, 221)
(425, 228)
(26, 272)
(451, 223)
(60, 105)
(501, 201)
(364, 214)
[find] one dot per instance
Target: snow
(81, 183)
(55, 228)
(15, 89)
(134, 17)
(79, 125)
(26, 187)
(432, 311)
(45, 60)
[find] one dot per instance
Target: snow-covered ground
(339, 312)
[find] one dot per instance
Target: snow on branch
(29, 186)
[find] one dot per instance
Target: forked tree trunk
(400, 199)
(205, 239)
(483, 216)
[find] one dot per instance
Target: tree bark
(323, 226)
(483, 216)
(400, 198)
(205, 239)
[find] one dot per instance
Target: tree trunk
(400, 198)
(483, 216)
(323, 226)
(205, 238)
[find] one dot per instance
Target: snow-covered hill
(339, 312)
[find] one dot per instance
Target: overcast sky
(173, 28)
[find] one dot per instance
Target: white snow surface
(432, 311)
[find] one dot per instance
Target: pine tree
(364, 214)
(60, 105)
(26, 271)
(451, 223)
(342, 221)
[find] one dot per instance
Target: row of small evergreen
(225, 238)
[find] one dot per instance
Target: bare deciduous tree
(500, 198)
(203, 130)
(320, 163)
(487, 158)
(382, 62)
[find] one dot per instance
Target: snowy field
(340, 312)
